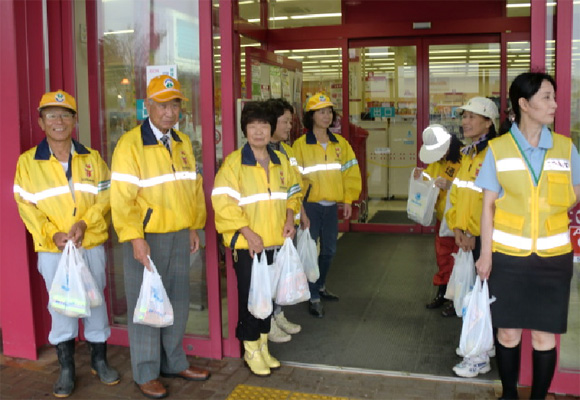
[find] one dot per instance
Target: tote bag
(421, 199)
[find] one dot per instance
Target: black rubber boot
(544, 364)
(99, 365)
(65, 384)
(439, 299)
(508, 365)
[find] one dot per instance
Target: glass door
(383, 92)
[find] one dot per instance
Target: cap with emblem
(482, 106)
(60, 98)
(318, 101)
(163, 88)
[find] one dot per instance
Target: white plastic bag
(153, 306)
(274, 273)
(477, 332)
(67, 293)
(461, 279)
(260, 297)
(308, 253)
(422, 198)
(444, 230)
(93, 292)
(293, 285)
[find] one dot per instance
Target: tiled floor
(22, 379)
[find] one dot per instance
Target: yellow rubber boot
(268, 359)
(253, 357)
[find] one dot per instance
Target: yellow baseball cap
(60, 98)
(163, 88)
(318, 101)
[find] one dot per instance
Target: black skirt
(531, 292)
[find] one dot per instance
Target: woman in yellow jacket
(331, 175)
(478, 122)
(441, 151)
(255, 197)
(530, 179)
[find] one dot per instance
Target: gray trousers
(155, 350)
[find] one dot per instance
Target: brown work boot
(189, 374)
(153, 389)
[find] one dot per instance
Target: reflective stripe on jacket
(287, 150)
(447, 170)
(243, 196)
(532, 219)
(467, 198)
(151, 190)
(332, 174)
(45, 201)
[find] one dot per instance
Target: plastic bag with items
(67, 294)
(93, 292)
(293, 285)
(461, 279)
(422, 198)
(260, 297)
(308, 253)
(477, 332)
(153, 306)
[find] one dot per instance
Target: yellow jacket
(332, 174)
(287, 150)
(45, 201)
(466, 198)
(447, 170)
(151, 190)
(532, 219)
(242, 196)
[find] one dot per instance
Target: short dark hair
(454, 152)
(308, 119)
(278, 107)
(525, 86)
(256, 111)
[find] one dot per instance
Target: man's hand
(193, 241)
(140, 252)
(255, 243)
(77, 233)
(347, 211)
(304, 220)
(289, 230)
(60, 239)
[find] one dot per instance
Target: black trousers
(249, 327)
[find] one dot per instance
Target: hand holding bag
(421, 199)
(293, 285)
(67, 293)
(308, 253)
(260, 297)
(477, 332)
(153, 306)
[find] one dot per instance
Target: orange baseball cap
(318, 101)
(163, 88)
(60, 98)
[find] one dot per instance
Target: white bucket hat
(482, 106)
(436, 141)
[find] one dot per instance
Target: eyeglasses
(55, 116)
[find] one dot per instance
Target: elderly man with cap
(331, 175)
(62, 191)
(157, 204)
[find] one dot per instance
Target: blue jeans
(323, 225)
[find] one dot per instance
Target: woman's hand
(417, 173)
(255, 243)
(483, 266)
(443, 183)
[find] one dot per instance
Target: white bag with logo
(422, 198)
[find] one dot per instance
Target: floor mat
(390, 217)
(380, 322)
(247, 392)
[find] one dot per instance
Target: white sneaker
(472, 366)
(490, 353)
(276, 334)
(286, 325)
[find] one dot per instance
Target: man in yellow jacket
(158, 204)
(62, 191)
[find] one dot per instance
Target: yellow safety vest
(243, 195)
(45, 201)
(532, 219)
(332, 174)
(151, 190)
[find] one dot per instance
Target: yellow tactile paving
(247, 392)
